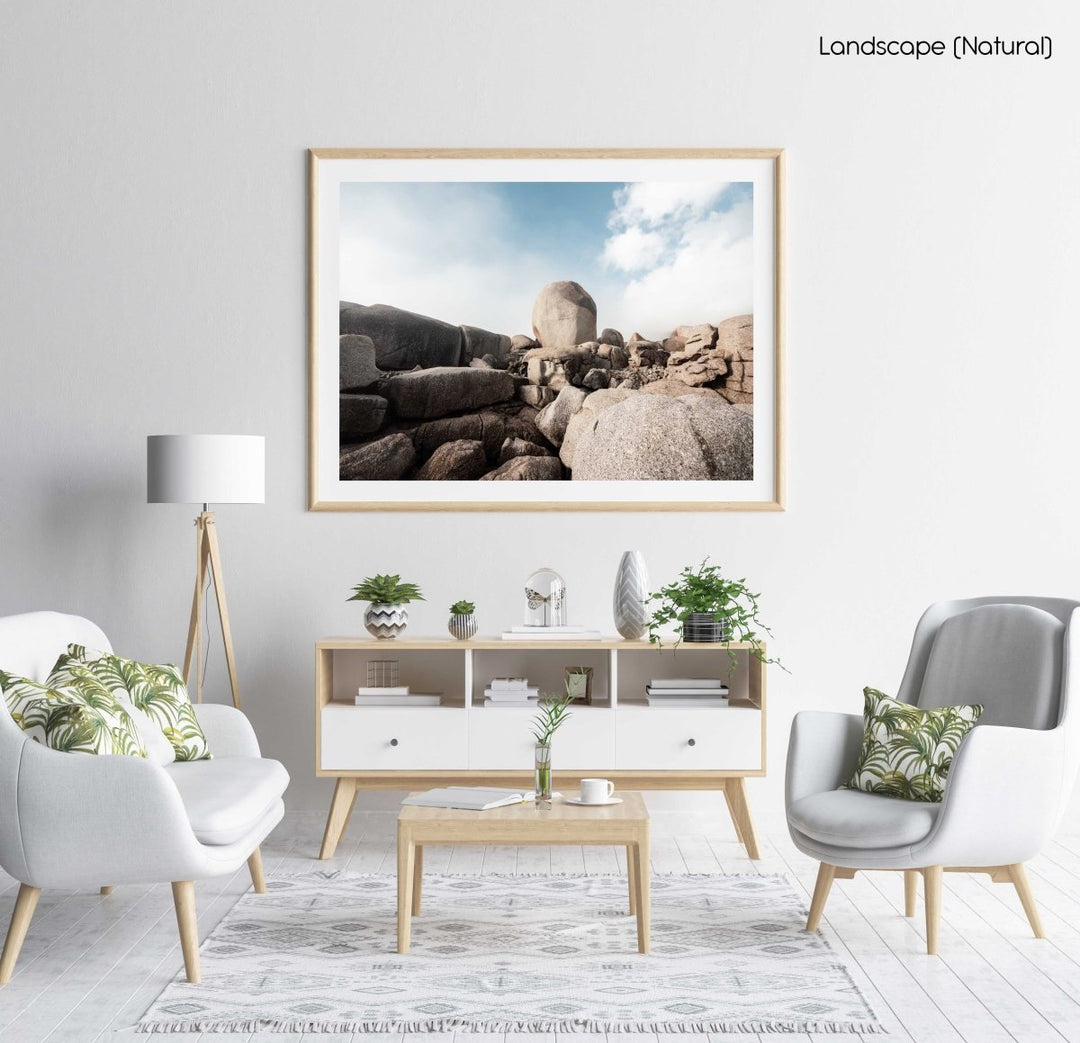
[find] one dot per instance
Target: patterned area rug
(516, 953)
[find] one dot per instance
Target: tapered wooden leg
(107, 890)
(255, 867)
(735, 792)
(21, 916)
(406, 858)
(932, 899)
(644, 900)
(911, 888)
(216, 574)
(184, 900)
(734, 818)
(418, 879)
(631, 879)
(825, 875)
(1020, 881)
(340, 806)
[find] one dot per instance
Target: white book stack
(678, 692)
(511, 691)
(394, 695)
(560, 633)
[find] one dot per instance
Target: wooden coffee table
(625, 824)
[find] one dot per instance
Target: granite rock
(429, 393)
(360, 416)
(563, 315)
(384, 460)
(404, 339)
(460, 461)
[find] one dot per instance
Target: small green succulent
(462, 608)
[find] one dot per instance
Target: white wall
(152, 279)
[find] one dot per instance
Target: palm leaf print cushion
(907, 752)
(70, 720)
(158, 692)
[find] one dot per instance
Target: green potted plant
(386, 616)
(706, 606)
(462, 620)
(552, 714)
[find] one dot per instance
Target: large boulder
(515, 447)
(610, 336)
(735, 340)
(526, 469)
(563, 315)
(535, 395)
(557, 367)
(519, 342)
(585, 418)
(700, 360)
(427, 393)
(356, 362)
(461, 461)
(404, 339)
(360, 416)
(552, 419)
(487, 427)
(384, 460)
(479, 343)
(656, 438)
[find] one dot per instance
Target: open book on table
(470, 798)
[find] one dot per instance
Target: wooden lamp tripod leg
(208, 558)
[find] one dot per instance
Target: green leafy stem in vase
(386, 590)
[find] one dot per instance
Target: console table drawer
(409, 738)
(501, 740)
(718, 739)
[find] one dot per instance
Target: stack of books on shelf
(560, 633)
(686, 691)
(511, 691)
(394, 695)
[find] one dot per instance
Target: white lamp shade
(205, 469)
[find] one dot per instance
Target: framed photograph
(546, 329)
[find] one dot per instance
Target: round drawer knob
(393, 742)
(691, 742)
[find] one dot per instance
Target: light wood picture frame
(472, 309)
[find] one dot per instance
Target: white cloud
(690, 255)
(633, 249)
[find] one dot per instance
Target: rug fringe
(535, 1025)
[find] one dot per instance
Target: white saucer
(593, 803)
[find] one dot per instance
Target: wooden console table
(465, 742)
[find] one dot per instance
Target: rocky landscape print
(543, 388)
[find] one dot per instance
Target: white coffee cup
(596, 791)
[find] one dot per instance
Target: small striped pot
(462, 626)
(386, 621)
(705, 627)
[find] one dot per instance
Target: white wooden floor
(91, 965)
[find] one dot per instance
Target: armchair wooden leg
(911, 887)
(255, 867)
(932, 876)
(20, 922)
(825, 876)
(1018, 875)
(184, 900)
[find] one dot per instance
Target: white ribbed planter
(386, 621)
(628, 601)
(462, 626)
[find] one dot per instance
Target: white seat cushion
(226, 796)
(850, 818)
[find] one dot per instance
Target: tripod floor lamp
(206, 469)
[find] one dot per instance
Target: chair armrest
(1003, 797)
(822, 752)
(86, 821)
(228, 732)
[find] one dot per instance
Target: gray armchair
(1009, 782)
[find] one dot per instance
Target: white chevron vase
(386, 621)
(631, 590)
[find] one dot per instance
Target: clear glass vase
(542, 784)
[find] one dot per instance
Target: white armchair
(71, 820)
(1009, 782)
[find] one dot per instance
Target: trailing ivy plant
(462, 608)
(706, 589)
(386, 590)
